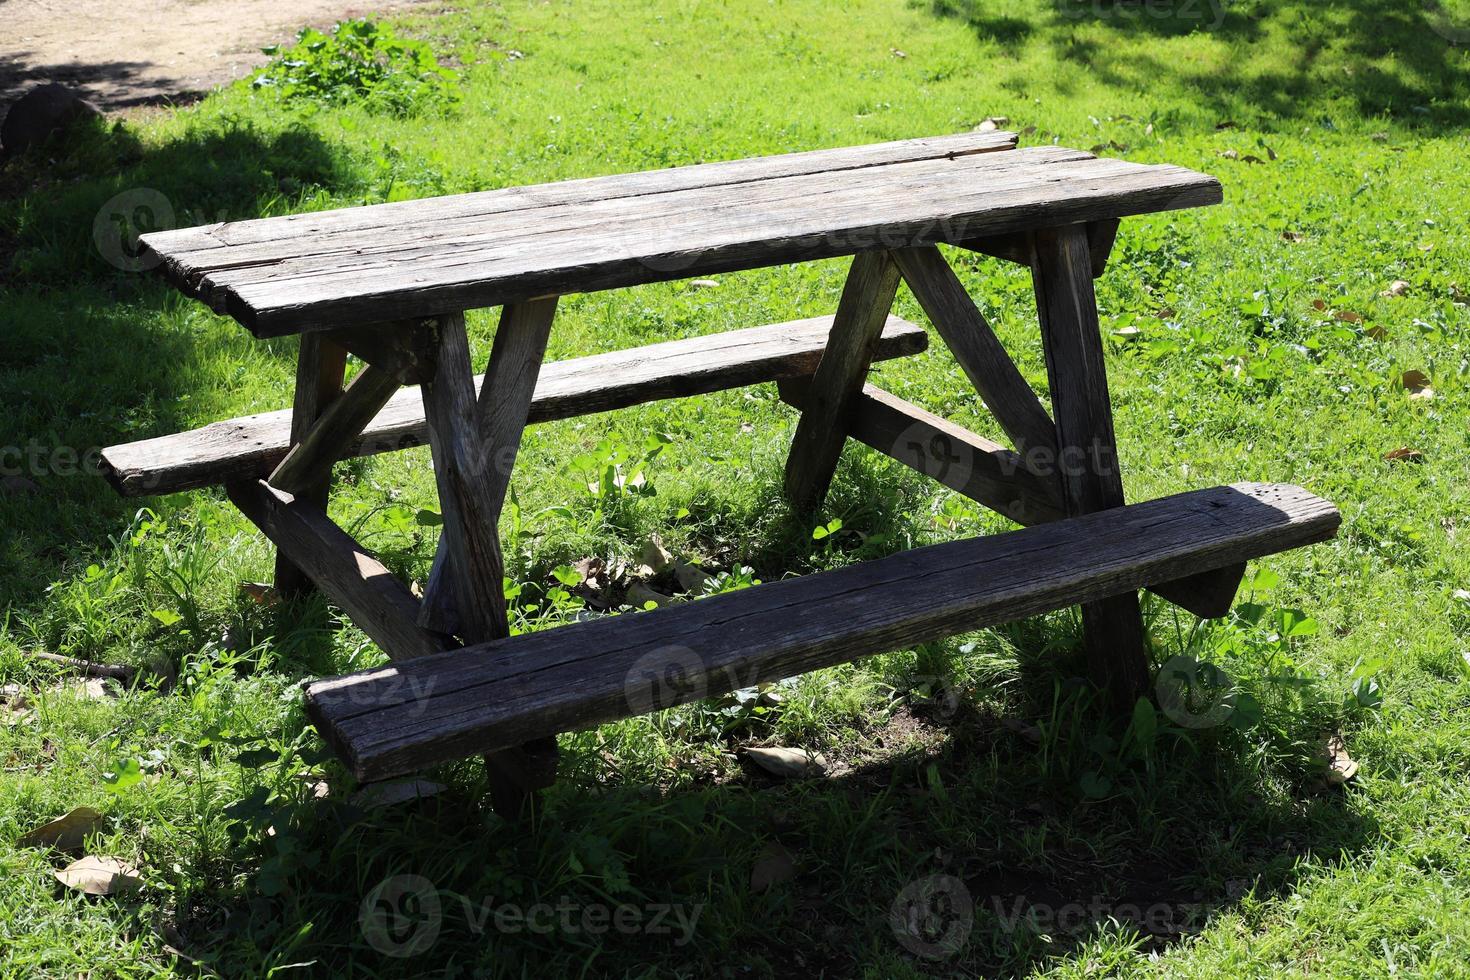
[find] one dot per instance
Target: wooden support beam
(474, 443)
(407, 352)
(501, 415)
(867, 296)
(320, 368)
(993, 476)
(309, 463)
(1100, 237)
(979, 352)
(377, 602)
(1088, 455)
(969, 464)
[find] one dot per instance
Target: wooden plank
(407, 351)
(254, 445)
(504, 404)
(1087, 462)
(379, 604)
(867, 296)
(979, 352)
(320, 367)
(609, 243)
(1100, 238)
(309, 463)
(380, 217)
(969, 464)
(397, 719)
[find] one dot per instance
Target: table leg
(1088, 455)
(872, 282)
(474, 446)
(321, 367)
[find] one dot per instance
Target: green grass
(1356, 113)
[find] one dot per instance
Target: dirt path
(137, 52)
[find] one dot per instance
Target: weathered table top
(364, 265)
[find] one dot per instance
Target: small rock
(43, 112)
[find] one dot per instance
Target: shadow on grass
(965, 849)
(96, 350)
(1374, 57)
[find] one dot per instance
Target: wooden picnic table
(390, 284)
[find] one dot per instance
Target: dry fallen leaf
(787, 763)
(100, 876)
(1348, 316)
(1375, 332)
(640, 595)
(1127, 334)
(1295, 237)
(263, 593)
(1319, 304)
(704, 283)
(1025, 729)
(1462, 594)
(654, 556)
(89, 688)
(1230, 155)
(1405, 455)
(65, 833)
(1340, 766)
(377, 795)
(691, 577)
(1396, 288)
(1416, 383)
(774, 866)
(991, 123)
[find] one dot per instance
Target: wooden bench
(390, 283)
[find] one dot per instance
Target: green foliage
(361, 61)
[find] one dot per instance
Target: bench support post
(1061, 266)
(321, 366)
(872, 282)
(474, 444)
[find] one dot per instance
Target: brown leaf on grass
(1348, 316)
(261, 593)
(1251, 158)
(1319, 304)
(1416, 383)
(1230, 155)
(654, 556)
(376, 795)
(1294, 237)
(100, 876)
(66, 833)
(1404, 455)
(1375, 332)
(1396, 288)
(1226, 124)
(774, 866)
(1025, 729)
(1341, 767)
(786, 762)
(640, 595)
(691, 578)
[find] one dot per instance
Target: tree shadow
(1371, 57)
(110, 84)
(97, 351)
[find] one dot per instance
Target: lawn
(1262, 339)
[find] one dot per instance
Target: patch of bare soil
(151, 52)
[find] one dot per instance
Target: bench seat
(251, 446)
(397, 719)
